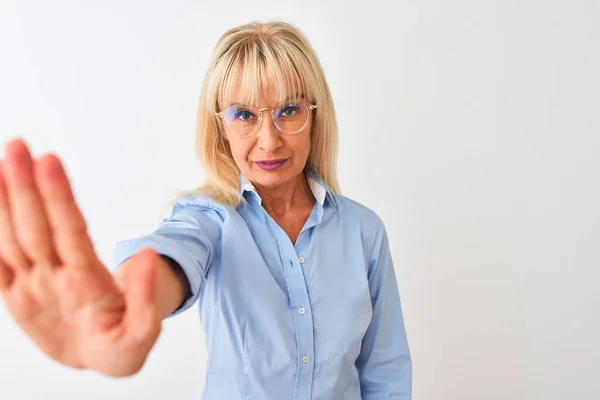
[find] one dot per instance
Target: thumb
(140, 289)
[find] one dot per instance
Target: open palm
(52, 281)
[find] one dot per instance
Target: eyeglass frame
(308, 105)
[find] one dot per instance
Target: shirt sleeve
(190, 236)
(384, 364)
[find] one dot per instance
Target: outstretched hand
(54, 284)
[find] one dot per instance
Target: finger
(6, 276)
(28, 216)
(69, 230)
(11, 255)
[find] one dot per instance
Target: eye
(290, 109)
(243, 115)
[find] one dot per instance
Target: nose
(268, 135)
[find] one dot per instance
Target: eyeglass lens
(289, 117)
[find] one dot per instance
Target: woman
(295, 283)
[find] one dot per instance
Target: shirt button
(301, 259)
(305, 359)
(301, 310)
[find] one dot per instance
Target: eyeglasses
(290, 117)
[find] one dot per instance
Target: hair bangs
(266, 69)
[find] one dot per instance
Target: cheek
(305, 143)
(299, 147)
(240, 149)
(306, 147)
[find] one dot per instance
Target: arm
(172, 286)
(188, 242)
(384, 364)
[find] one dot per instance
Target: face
(269, 144)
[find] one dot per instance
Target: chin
(271, 179)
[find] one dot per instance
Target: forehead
(257, 88)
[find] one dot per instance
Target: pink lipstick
(270, 165)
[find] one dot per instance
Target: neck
(288, 197)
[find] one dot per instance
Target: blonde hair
(274, 56)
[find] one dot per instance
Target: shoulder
(199, 205)
(350, 207)
(370, 222)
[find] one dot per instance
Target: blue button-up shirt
(318, 319)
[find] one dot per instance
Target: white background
(471, 127)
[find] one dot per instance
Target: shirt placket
(296, 259)
(303, 321)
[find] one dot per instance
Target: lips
(270, 165)
(272, 161)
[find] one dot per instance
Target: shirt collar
(317, 186)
